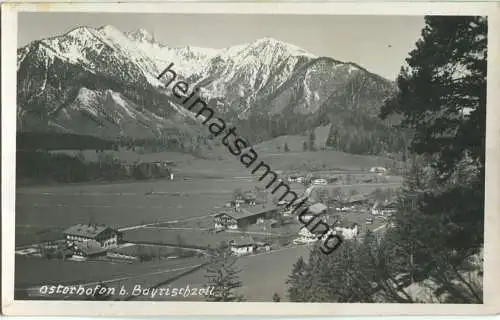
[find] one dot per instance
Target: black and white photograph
(281, 158)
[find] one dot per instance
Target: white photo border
(92, 308)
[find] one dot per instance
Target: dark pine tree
(222, 274)
(295, 281)
(442, 99)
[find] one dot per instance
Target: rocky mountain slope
(103, 82)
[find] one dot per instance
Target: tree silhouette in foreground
(222, 274)
(435, 237)
(442, 100)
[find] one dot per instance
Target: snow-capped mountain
(102, 81)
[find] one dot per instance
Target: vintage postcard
(250, 159)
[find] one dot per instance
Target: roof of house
(225, 213)
(315, 229)
(249, 211)
(92, 250)
(86, 230)
(243, 241)
(317, 208)
(255, 210)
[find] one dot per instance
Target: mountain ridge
(260, 85)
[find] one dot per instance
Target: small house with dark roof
(358, 201)
(89, 249)
(225, 220)
(244, 216)
(314, 211)
(102, 235)
(243, 245)
(384, 209)
(249, 198)
(317, 208)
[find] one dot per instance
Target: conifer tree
(442, 99)
(222, 275)
(439, 222)
(295, 281)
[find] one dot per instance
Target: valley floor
(166, 210)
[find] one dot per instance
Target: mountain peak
(78, 31)
(270, 42)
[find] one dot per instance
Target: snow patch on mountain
(121, 103)
(83, 45)
(70, 45)
(264, 77)
(21, 55)
(87, 100)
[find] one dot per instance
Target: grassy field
(30, 271)
(194, 238)
(153, 252)
(262, 275)
(322, 160)
(143, 280)
(200, 188)
(120, 205)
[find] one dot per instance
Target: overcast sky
(378, 43)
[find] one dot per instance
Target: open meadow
(200, 188)
(118, 205)
(31, 271)
(178, 210)
(262, 275)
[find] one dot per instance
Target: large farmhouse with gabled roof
(101, 235)
(244, 216)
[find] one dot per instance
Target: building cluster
(338, 216)
(245, 212)
(91, 240)
(320, 223)
(240, 216)
(329, 178)
(242, 244)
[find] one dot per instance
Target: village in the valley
(251, 221)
